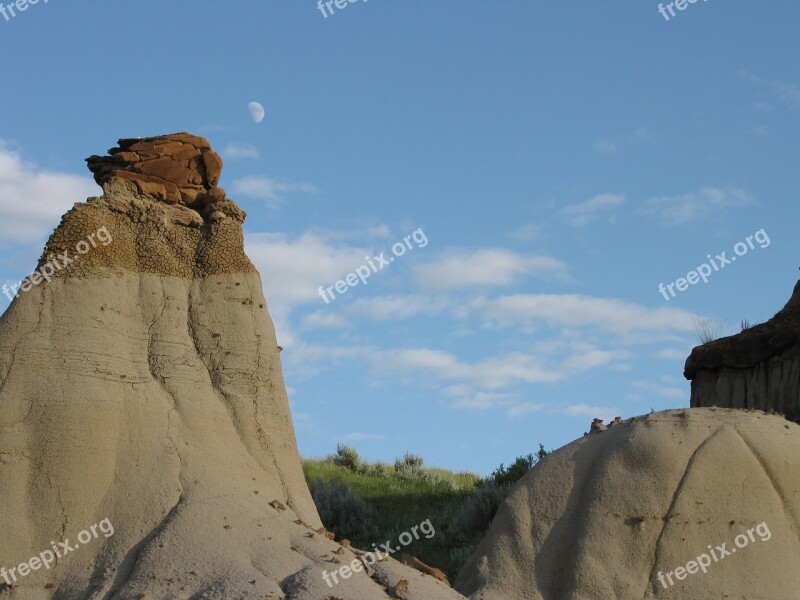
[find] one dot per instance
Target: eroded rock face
(758, 368)
(179, 168)
(141, 385)
(612, 514)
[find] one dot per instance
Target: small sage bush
(341, 510)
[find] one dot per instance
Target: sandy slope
(601, 517)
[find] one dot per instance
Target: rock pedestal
(141, 387)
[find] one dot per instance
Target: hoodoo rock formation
(626, 514)
(176, 169)
(758, 368)
(141, 386)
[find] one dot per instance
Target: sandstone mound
(758, 368)
(602, 517)
(141, 388)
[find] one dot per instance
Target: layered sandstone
(177, 169)
(758, 368)
(143, 385)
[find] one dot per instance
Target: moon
(256, 111)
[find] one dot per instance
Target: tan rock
(184, 164)
(603, 516)
(213, 163)
(143, 386)
(420, 566)
(188, 195)
(756, 368)
(130, 157)
(597, 426)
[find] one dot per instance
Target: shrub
(347, 456)
(459, 556)
(509, 476)
(410, 468)
(378, 469)
(478, 510)
(502, 476)
(341, 510)
(476, 513)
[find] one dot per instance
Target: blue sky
(561, 159)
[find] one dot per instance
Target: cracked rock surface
(143, 385)
(602, 516)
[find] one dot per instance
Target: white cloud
(673, 354)
(238, 151)
(527, 233)
(479, 268)
(787, 93)
(395, 308)
(607, 413)
(32, 200)
(579, 215)
(590, 359)
(375, 233)
(493, 374)
(605, 147)
(697, 206)
(324, 319)
(380, 231)
(292, 270)
(270, 190)
(483, 401)
(610, 146)
(467, 397)
(302, 359)
(577, 311)
(524, 408)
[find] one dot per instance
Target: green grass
(401, 504)
(459, 506)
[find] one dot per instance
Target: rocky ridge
(758, 368)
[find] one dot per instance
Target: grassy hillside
(372, 503)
